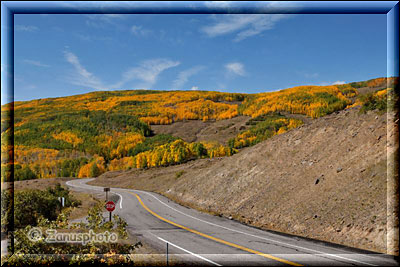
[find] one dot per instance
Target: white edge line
(272, 240)
(187, 251)
(120, 203)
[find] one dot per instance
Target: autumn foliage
(263, 128)
(86, 135)
(313, 101)
(93, 169)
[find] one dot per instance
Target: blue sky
(62, 54)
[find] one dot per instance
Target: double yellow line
(214, 238)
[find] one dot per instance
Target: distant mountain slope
(86, 135)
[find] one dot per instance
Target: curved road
(204, 239)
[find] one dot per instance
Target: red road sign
(110, 206)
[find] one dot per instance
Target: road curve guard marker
(214, 238)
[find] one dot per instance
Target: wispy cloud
(139, 31)
(101, 20)
(26, 28)
(244, 25)
(311, 75)
(119, 16)
(35, 63)
(82, 76)
(92, 38)
(146, 73)
(30, 87)
(235, 68)
(184, 76)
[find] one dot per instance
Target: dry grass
(88, 201)
(40, 184)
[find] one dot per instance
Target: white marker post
(62, 202)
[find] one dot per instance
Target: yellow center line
(214, 238)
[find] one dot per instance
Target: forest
(89, 134)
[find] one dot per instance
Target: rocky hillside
(325, 180)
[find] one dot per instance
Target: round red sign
(110, 206)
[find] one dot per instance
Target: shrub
(179, 174)
(27, 252)
(264, 127)
(23, 173)
(30, 204)
(374, 100)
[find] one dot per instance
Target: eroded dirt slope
(196, 130)
(325, 180)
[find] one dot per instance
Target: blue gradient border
(8, 9)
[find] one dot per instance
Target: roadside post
(106, 189)
(62, 202)
(110, 206)
(167, 253)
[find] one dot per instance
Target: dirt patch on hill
(325, 180)
(40, 184)
(196, 131)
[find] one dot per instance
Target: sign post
(106, 189)
(110, 206)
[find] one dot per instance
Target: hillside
(308, 160)
(87, 135)
(325, 180)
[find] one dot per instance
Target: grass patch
(179, 174)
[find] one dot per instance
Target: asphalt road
(199, 238)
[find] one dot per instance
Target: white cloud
(235, 68)
(82, 76)
(26, 28)
(140, 31)
(245, 25)
(101, 20)
(30, 87)
(194, 88)
(310, 75)
(339, 82)
(183, 76)
(221, 85)
(147, 72)
(331, 83)
(93, 38)
(114, 15)
(35, 63)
